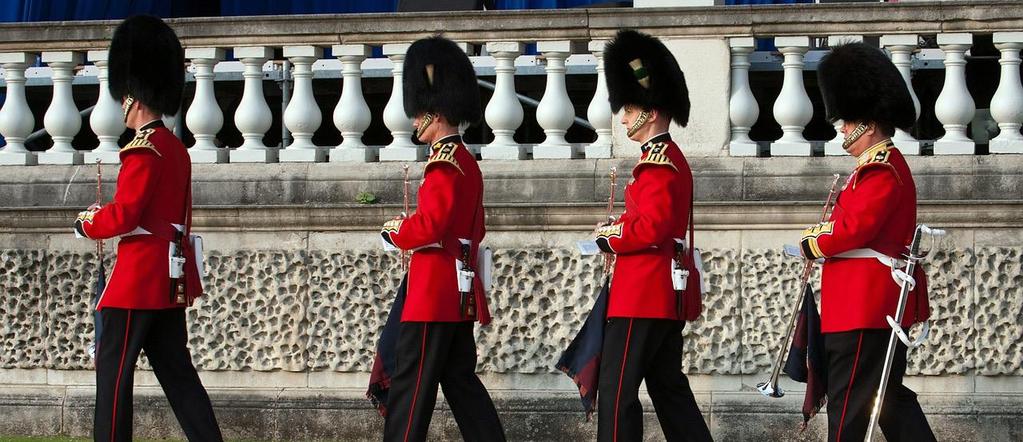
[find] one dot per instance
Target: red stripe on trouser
(852, 377)
(117, 385)
(419, 379)
(621, 376)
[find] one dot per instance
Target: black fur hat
(642, 72)
(439, 78)
(147, 62)
(859, 83)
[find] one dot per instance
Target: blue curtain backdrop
(51, 10)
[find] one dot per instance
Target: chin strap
(638, 124)
(129, 101)
(425, 123)
(855, 135)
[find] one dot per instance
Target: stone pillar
(1007, 103)
(834, 146)
(62, 120)
(402, 148)
(107, 119)
(743, 109)
(793, 109)
(16, 120)
(555, 113)
(351, 116)
(599, 113)
(902, 47)
(504, 111)
(302, 117)
(253, 117)
(204, 117)
(955, 107)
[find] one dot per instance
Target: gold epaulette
(875, 156)
(444, 153)
(657, 155)
(141, 141)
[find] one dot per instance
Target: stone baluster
(204, 118)
(955, 107)
(253, 117)
(1007, 103)
(16, 120)
(303, 117)
(107, 119)
(62, 120)
(743, 109)
(834, 145)
(504, 111)
(397, 121)
(351, 116)
(793, 109)
(902, 47)
(555, 113)
(599, 112)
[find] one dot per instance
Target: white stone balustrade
(401, 147)
(62, 120)
(253, 116)
(16, 120)
(1007, 103)
(954, 107)
(555, 113)
(834, 145)
(504, 111)
(303, 117)
(599, 112)
(204, 118)
(902, 47)
(107, 119)
(743, 109)
(793, 109)
(351, 116)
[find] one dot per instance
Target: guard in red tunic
(444, 295)
(156, 274)
(649, 301)
(866, 236)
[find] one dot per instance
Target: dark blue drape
(51, 10)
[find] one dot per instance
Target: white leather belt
(871, 253)
(140, 231)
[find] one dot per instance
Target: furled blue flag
(581, 361)
(806, 357)
(387, 353)
(97, 292)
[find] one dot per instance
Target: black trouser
(855, 360)
(431, 353)
(162, 334)
(651, 349)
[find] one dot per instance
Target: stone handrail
(722, 39)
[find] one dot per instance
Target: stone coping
(726, 180)
(523, 25)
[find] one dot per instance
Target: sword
(907, 284)
(405, 208)
(100, 270)
(771, 388)
(609, 258)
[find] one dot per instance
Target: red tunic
(152, 188)
(657, 207)
(449, 208)
(876, 209)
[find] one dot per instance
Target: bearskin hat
(147, 62)
(859, 83)
(642, 72)
(439, 78)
